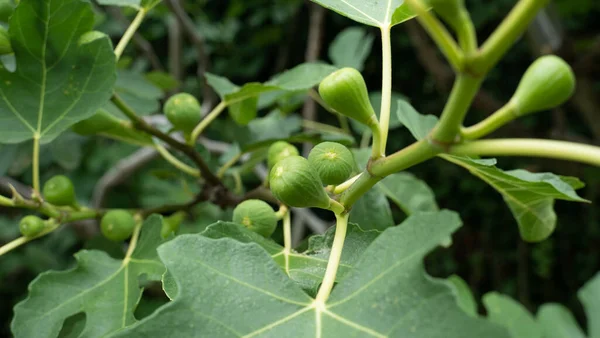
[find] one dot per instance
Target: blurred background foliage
(252, 40)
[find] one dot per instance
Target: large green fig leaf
(511, 314)
(137, 4)
(107, 290)
(378, 13)
(231, 289)
(589, 295)
(64, 72)
(351, 48)
(530, 196)
(408, 192)
(558, 322)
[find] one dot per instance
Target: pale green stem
(36, 163)
(228, 165)
(8, 247)
(466, 33)
(377, 146)
(334, 258)
(506, 34)
(287, 239)
(365, 139)
(500, 118)
(462, 95)
(439, 34)
(560, 150)
(344, 186)
(133, 241)
(176, 162)
(135, 24)
(386, 93)
(6, 202)
(283, 210)
(207, 121)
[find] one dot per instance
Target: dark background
(251, 40)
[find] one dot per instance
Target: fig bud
(295, 183)
(547, 83)
(59, 190)
(280, 150)
(333, 162)
(183, 111)
(117, 225)
(257, 216)
(31, 226)
(346, 92)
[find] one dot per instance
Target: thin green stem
(344, 186)
(287, 239)
(228, 165)
(560, 150)
(334, 258)
(439, 34)
(176, 162)
(12, 245)
(135, 24)
(386, 93)
(506, 34)
(207, 121)
(465, 30)
(378, 148)
(410, 156)
(308, 124)
(133, 241)
(6, 202)
(500, 118)
(36, 163)
(462, 95)
(360, 187)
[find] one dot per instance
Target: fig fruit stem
(495, 121)
(130, 32)
(206, 121)
(176, 162)
(506, 34)
(560, 150)
(36, 162)
(334, 258)
(344, 186)
(221, 172)
(439, 34)
(14, 244)
(465, 31)
(386, 96)
(287, 239)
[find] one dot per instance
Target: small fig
(345, 91)
(257, 216)
(183, 111)
(5, 46)
(547, 83)
(101, 121)
(280, 150)
(333, 162)
(31, 226)
(59, 190)
(295, 183)
(117, 225)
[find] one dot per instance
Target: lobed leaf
(232, 289)
(64, 71)
(384, 14)
(509, 313)
(105, 289)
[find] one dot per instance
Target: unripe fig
(171, 224)
(333, 162)
(183, 111)
(117, 225)
(345, 91)
(101, 121)
(280, 150)
(5, 46)
(31, 226)
(295, 183)
(257, 216)
(547, 83)
(59, 190)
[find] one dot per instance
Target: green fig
(295, 183)
(183, 111)
(59, 190)
(5, 46)
(257, 216)
(101, 121)
(31, 226)
(333, 162)
(117, 225)
(280, 150)
(547, 83)
(346, 92)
